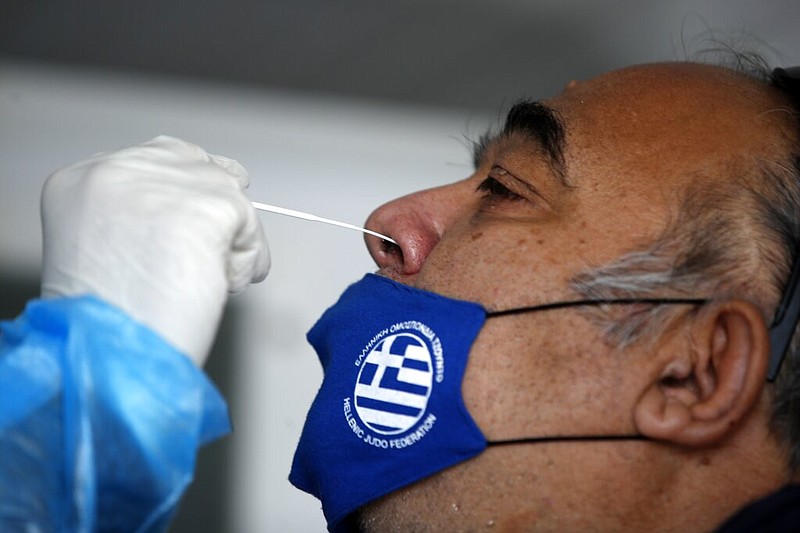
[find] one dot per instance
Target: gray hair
(734, 242)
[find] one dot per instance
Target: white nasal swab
(315, 218)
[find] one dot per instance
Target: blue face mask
(390, 411)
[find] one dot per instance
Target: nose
(417, 222)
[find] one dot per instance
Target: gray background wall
(462, 53)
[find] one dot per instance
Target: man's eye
(493, 189)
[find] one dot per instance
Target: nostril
(395, 251)
(388, 255)
(389, 247)
(415, 247)
(385, 253)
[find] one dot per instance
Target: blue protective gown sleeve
(100, 420)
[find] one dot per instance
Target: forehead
(668, 119)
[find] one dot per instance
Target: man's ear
(706, 384)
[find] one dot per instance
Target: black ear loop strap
(599, 303)
(787, 314)
(785, 322)
(580, 303)
(565, 438)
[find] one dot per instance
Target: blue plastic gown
(100, 420)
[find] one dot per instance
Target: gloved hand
(161, 230)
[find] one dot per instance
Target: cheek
(496, 267)
(510, 375)
(539, 374)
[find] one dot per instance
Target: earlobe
(707, 383)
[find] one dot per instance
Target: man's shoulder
(778, 512)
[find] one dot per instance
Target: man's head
(668, 180)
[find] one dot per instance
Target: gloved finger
(249, 259)
(161, 149)
(166, 147)
(166, 156)
(182, 155)
(172, 146)
(246, 266)
(233, 168)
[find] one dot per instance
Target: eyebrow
(543, 125)
(539, 123)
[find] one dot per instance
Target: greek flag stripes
(394, 384)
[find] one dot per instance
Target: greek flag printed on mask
(394, 384)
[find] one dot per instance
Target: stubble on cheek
(427, 506)
(482, 494)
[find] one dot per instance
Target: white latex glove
(161, 230)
